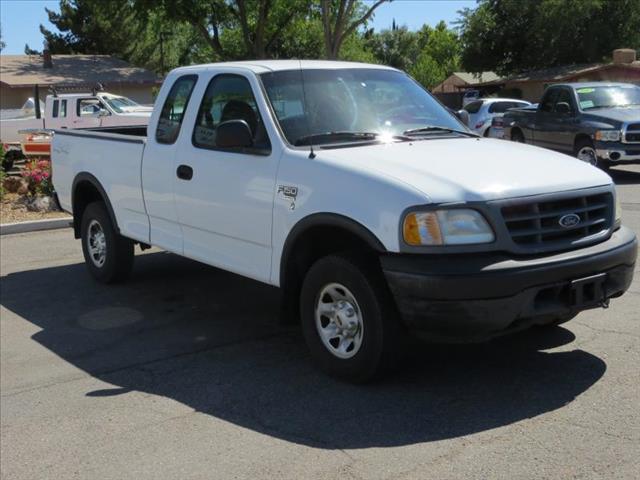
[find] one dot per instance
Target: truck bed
(113, 157)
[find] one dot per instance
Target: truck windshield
(381, 103)
(608, 96)
(120, 104)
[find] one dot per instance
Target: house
(463, 80)
(20, 73)
(530, 85)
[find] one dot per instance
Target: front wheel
(108, 255)
(348, 317)
(585, 151)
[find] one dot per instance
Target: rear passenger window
(63, 108)
(174, 108)
(229, 97)
(473, 107)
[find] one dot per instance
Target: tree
(341, 19)
(254, 25)
(511, 36)
(397, 47)
(2, 44)
(439, 55)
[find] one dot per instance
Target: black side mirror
(463, 116)
(234, 134)
(563, 108)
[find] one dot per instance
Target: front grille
(632, 133)
(536, 225)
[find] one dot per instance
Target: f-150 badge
(289, 192)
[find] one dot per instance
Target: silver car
(483, 110)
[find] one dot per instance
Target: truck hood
(470, 169)
(618, 114)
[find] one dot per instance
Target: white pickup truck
(73, 110)
(349, 186)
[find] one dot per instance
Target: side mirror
(104, 113)
(234, 134)
(463, 116)
(563, 108)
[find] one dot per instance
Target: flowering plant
(37, 173)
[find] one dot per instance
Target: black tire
(117, 261)
(381, 331)
(517, 136)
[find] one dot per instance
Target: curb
(34, 225)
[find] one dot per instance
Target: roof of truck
(593, 84)
(264, 66)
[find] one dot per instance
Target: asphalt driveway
(185, 373)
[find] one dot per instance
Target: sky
(21, 19)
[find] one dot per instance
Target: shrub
(37, 173)
(2, 175)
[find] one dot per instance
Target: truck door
(89, 113)
(543, 119)
(158, 164)
(563, 123)
(224, 195)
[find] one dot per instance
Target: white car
(347, 185)
(483, 110)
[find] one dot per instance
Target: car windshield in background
(608, 96)
(354, 105)
(120, 104)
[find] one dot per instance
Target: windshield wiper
(436, 128)
(343, 135)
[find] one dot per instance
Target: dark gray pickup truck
(597, 122)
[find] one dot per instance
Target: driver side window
(229, 97)
(90, 107)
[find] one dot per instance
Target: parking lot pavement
(184, 373)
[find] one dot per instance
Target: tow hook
(605, 303)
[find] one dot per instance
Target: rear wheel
(108, 256)
(348, 317)
(517, 136)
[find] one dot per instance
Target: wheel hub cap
(97, 244)
(339, 321)
(588, 154)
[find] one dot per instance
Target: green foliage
(511, 36)
(429, 55)
(397, 47)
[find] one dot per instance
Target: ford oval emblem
(569, 220)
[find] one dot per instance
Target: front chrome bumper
(620, 155)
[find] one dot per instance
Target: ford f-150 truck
(596, 122)
(375, 210)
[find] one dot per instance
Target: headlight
(446, 227)
(608, 135)
(618, 211)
